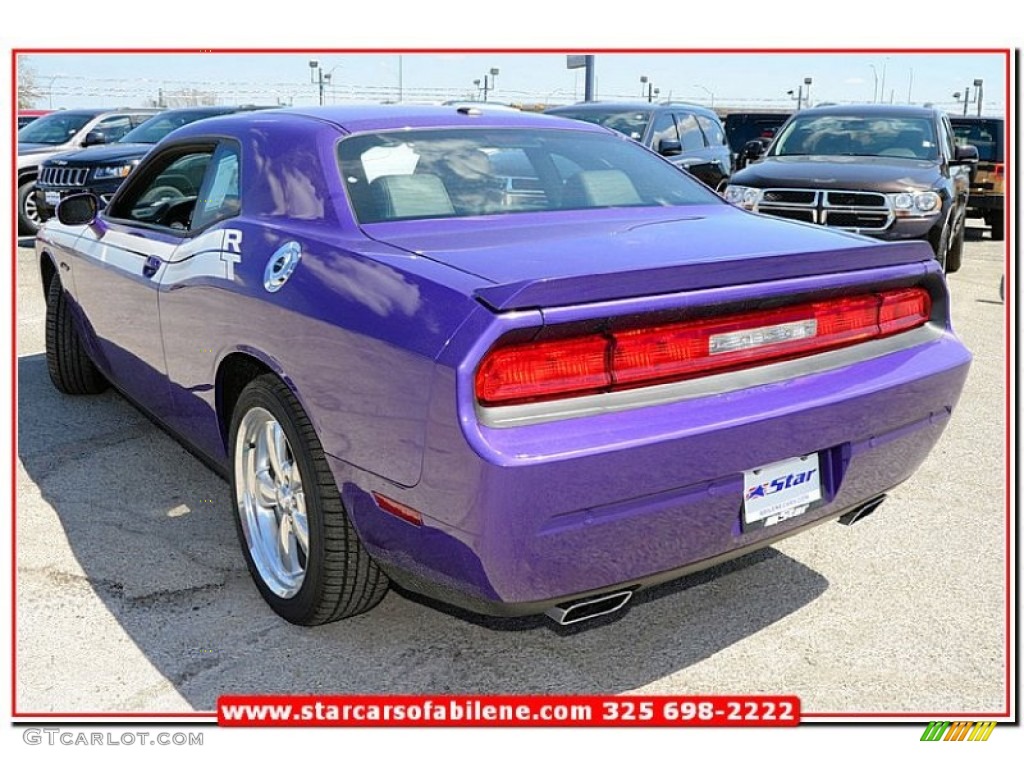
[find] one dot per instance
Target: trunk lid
(578, 257)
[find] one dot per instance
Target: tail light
(997, 170)
(580, 365)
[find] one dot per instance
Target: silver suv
(59, 132)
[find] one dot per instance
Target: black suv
(891, 172)
(988, 136)
(102, 169)
(687, 134)
(63, 131)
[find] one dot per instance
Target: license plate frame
(780, 491)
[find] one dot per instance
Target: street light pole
(49, 90)
(708, 92)
(874, 93)
(807, 82)
(978, 83)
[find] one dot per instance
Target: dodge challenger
(517, 363)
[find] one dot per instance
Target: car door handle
(151, 266)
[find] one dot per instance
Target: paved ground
(132, 593)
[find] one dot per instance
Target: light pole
(651, 90)
(978, 90)
(708, 92)
(807, 82)
(488, 85)
(318, 77)
(49, 90)
(874, 93)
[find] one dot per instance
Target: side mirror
(966, 153)
(754, 149)
(92, 138)
(75, 210)
(669, 148)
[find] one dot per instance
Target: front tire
(29, 220)
(301, 549)
(71, 370)
(955, 254)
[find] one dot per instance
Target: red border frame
(15, 52)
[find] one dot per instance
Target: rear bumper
(517, 519)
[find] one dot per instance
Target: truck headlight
(745, 197)
(112, 171)
(915, 203)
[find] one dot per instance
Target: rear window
(628, 122)
(456, 173)
(986, 135)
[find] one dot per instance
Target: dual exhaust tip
(602, 605)
(590, 608)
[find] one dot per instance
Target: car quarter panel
(354, 330)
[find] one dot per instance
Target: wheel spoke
(277, 450)
(286, 543)
(300, 524)
(265, 488)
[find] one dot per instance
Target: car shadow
(151, 535)
(26, 242)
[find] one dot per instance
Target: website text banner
(508, 711)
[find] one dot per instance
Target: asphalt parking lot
(132, 595)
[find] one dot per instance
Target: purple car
(514, 362)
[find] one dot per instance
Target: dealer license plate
(52, 198)
(779, 491)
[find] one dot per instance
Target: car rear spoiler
(585, 289)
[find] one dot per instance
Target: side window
(114, 128)
(219, 197)
(138, 120)
(664, 129)
(689, 133)
(712, 131)
(164, 192)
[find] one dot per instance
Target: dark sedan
(894, 173)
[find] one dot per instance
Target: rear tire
(301, 549)
(71, 370)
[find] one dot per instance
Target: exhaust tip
(591, 608)
(865, 509)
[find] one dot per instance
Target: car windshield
(469, 172)
(628, 122)
(986, 135)
(871, 136)
(154, 129)
(54, 129)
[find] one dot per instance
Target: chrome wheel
(30, 210)
(271, 502)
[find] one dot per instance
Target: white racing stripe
(212, 254)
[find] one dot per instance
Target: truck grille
(840, 208)
(52, 176)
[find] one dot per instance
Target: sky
(728, 79)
